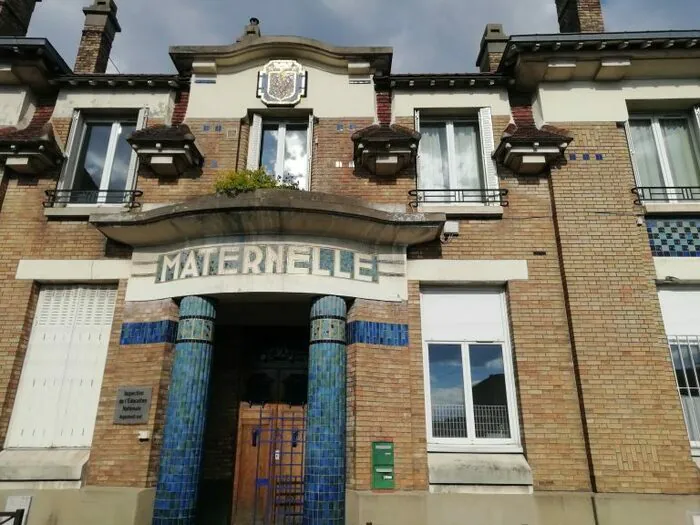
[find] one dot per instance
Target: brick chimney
(101, 26)
(493, 44)
(15, 16)
(580, 16)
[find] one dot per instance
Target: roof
(14, 48)
(116, 81)
(436, 81)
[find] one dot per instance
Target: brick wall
(638, 440)
(580, 16)
(93, 51)
(117, 457)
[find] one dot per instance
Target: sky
(436, 36)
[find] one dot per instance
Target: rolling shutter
(59, 388)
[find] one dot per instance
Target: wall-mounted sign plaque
(133, 404)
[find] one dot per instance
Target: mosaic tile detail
(674, 237)
(183, 435)
(372, 333)
(194, 329)
(324, 461)
(328, 330)
(148, 333)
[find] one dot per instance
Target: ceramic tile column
(181, 452)
(324, 462)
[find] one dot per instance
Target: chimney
(15, 16)
(251, 31)
(580, 16)
(98, 35)
(493, 44)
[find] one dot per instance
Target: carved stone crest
(282, 83)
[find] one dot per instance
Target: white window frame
(472, 443)
(76, 140)
(655, 118)
(255, 143)
(679, 340)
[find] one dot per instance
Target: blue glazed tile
(369, 332)
(674, 237)
(148, 333)
(586, 156)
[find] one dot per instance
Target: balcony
(666, 193)
(460, 201)
(86, 202)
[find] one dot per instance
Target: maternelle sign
(270, 265)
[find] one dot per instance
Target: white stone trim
(42, 464)
(486, 271)
(480, 210)
(73, 270)
(671, 208)
(673, 269)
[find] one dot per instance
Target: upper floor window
(470, 387)
(101, 167)
(666, 156)
(454, 159)
(282, 148)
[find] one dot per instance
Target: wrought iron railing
(12, 518)
(666, 193)
(65, 197)
(490, 197)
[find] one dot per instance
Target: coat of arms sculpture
(282, 83)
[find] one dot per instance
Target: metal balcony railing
(65, 197)
(489, 197)
(666, 193)
(12, 518)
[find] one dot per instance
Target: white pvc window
(101, 167)
(469, 380)
(680, 308)
(59, 387)
(282, 148)
(665, 155)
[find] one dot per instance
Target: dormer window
(283, 148)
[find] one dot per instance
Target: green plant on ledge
(234, 183)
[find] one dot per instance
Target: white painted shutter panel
(487, 147)
(416, 126)
(77, 406)
(633, 156)
(72, 151)
(59, 387)
(309, 151)
(463, 315)
(254, 142)
(680, 309)
(141, 123)
(696, 110)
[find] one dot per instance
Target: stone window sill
(463, 210)
(42, 464)
(671, 208)
(452, 468)
(82, 211)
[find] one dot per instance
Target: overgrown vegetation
(234, 183)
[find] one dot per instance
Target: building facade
(481, 303)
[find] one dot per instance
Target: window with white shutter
(59, 387)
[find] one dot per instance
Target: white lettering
(361, 263)
(337, 272)
(190, 268)
(252, 264)
(298, 254)
(316, 263)
(228, 255)
(206, 259)
(170, 264)
(274, 259)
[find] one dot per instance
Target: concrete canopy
(271, 212)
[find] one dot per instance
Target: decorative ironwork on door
(279, 439)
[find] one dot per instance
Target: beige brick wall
(638, 440)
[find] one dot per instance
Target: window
(59, 387)
(680, 308)
(283, 148)
(101, 164)
(666, 156)
(470, 390)
(454, 161)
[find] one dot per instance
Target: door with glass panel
(102, 173)
(450, 167)
(666, 157)
(284, 152)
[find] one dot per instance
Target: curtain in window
(433, 162)
(467, 157)
(679, 150)
(645, 154)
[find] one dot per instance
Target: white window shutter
(696, 110)
(254, 142)
(487, 147)
(416, 119)
(75, 137)
(59, 387)
(633, 157)
(309, 151)
(141, 123)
